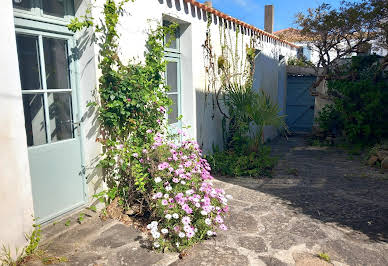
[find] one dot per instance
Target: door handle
(76, 125)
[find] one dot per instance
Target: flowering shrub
(162, 182)
(185, 207)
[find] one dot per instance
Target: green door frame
(169, 57)
(48, 26)
(174, 55)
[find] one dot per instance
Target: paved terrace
(320, 200)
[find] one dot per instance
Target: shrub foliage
(360, 101)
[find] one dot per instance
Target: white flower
(181, 234)
(164, 231)
(208, 221)
(158, 179)
(183, 182)
(229, 196)
(203, 212)
(177, 244)
(209, 233)
(168, 216)
(195, 230)
(154, 224)
(149, 226)
(166, 196)
(175, 216)
(155, 234)
(189, 192)
(168, 188)
(156, 244)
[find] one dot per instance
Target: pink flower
(190, 234)
(163, 165)
(177, 228)
(188, 164)
(149, 131)
(187, 228)
(162, 109)
(223, 227)
(175, 180)
(164, 202)
(158, 195)
(219, 219)
(129, 100)
(187, 209)
(135, 155)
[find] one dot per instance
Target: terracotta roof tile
(291, 35)
(239, 22)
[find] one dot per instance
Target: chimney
(268, 18)
(208, 3)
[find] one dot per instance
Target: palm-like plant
(249, 113)
(264, 112)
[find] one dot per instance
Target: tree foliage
(338, 33)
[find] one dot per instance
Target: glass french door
(174, 82)
(52, 126)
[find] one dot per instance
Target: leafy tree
(338, 33)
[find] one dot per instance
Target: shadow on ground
(328, 185)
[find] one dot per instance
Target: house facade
(49, 150)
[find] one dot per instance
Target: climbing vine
(235, 64)
(132, 104)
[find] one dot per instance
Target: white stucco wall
(15, 183)
(87, 79)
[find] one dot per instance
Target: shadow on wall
(268, 77)
(209, 121)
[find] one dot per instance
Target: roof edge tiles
(237, 21)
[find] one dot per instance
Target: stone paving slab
(310, 206)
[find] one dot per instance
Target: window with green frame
(173, 75)
(56, 9)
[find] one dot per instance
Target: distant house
(310, 52)
(48, 150)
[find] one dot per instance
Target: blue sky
(252, 11)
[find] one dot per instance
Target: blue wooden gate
(300, 104)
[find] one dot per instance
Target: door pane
(173, 115)
(60, 113)
(22, 4)
(34, 117)
(54, 8)
(28, 54)
(56, 63)
(172, 76)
